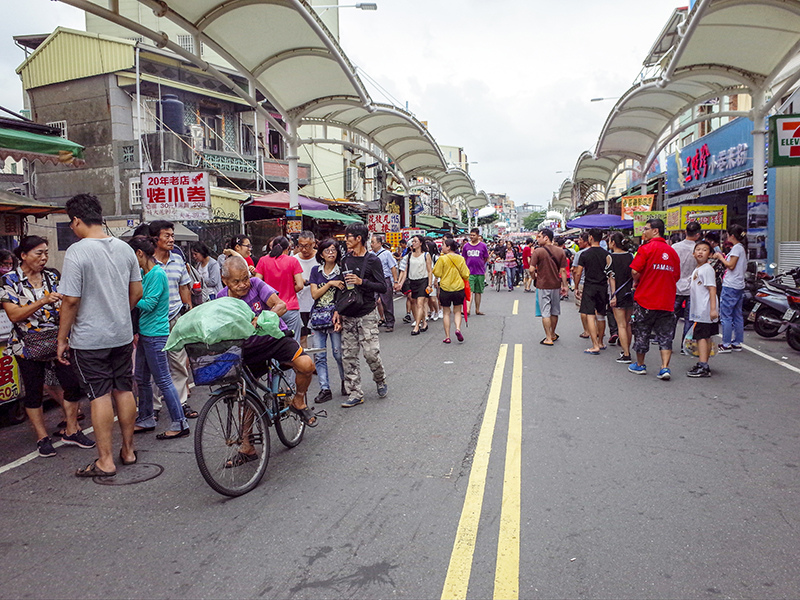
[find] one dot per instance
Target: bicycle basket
(216, 364)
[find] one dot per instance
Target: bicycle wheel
(288, 425)
(229, 429)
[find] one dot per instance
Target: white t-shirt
(304, 295)
(700, 295)
(734, 278)
(685, 252)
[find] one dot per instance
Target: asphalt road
(517, 469)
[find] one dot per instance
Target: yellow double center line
(506, 581)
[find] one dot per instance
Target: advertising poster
(631, 204)
(757, 224)
(673, 221)
(294, 226)
(710, 217)
(176, 196)
(640, 219)
(383, 222)
(9, 377)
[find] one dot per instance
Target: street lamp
(359, 5)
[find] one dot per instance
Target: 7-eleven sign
(784, 140)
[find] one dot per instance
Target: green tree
(533, 220)
(481, 220)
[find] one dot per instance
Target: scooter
(791, 320)
(771, 304)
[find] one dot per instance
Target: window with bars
(61, 125)
(186, 42)
(128, 153)
(135, 192)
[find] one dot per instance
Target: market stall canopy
(15, 204)
(19, 144)
(182, 234)
(281, 200)
(600, 222)
(429, 222)
(331, 215)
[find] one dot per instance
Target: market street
(560, 475)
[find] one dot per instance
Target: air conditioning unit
(198, 139)
(352, 181)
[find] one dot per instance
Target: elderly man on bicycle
(259, 350)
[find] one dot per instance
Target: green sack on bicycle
(269, 323)
(222, 319)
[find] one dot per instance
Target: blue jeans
(151, 359)
(319, 339)
(510, 277)
(730, 315)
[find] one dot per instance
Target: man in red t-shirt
(656, 270)
(526, 263)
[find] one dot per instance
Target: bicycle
(499, 279)
(236, 418)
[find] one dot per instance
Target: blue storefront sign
(720, 154)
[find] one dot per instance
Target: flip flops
(544, 342)
(592, 352)
(92, 470)
(446, 341)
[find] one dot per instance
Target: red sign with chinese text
(176, 196)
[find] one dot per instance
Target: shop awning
(331, 215)
(20, 144)
(455, 222)
(15, 204)
(281, 200)
(600, 222)
(430, 222)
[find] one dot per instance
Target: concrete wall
(329, 164)
(786, 199)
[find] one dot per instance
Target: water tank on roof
(171, 118)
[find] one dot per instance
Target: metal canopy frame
(298, 66)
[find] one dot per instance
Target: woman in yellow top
(452, 271)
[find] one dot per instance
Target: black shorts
(304, 330)
(659, 323)
(418, 287)
(451, 298)
(594, 299)
(101, 371)
(258, 354)
(704, 331)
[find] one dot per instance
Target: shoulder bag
(350, 301)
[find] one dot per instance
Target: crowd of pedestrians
(100, 328)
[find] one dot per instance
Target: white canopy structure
(290, 58)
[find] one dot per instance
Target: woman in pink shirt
(284, 273)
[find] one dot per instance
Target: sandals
(129, 462)
(189, 413)
(555, 337)
(585, 336)
(459, 337)
(544, 342)
(446, 341)
(306, 415)
(92, 470)
(240, 459)
(164, 434)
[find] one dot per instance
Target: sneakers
(612, 341)
(78, 439)
(383, 389)
(408, 318)
(441, 313)
(46, 447)
(323, 396)
(351, 402)
(624, 359)
(736, 348)
(664, 374)
(638, 369)
(699, 371)
(722, 349)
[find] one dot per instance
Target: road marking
(771, 359)
(515, 310)
(29, 457)
(506, 577)
(458, 572)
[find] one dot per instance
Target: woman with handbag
(150, 356)
(418, 270)
(31, 300)
(325, 280)
(451, 269)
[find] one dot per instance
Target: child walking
(703, 308)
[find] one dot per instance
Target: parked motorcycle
(791, 320)
(771, 303)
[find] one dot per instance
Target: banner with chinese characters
(10, 225)
(640, 219)
(383, 222)
(408, 232)
(723, 152)
(710, 217)
(176, 196)
(9, 377)
(631, 204)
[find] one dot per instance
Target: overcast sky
(508, 80)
